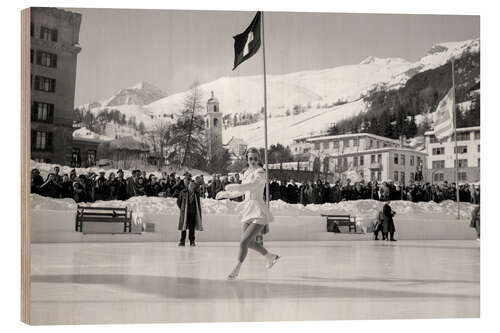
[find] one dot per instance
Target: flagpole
(265, 107)
(455, 127)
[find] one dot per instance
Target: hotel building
(54, 48)
(373, 157)
(442, 159)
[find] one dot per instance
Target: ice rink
(76, 283)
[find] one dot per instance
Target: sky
(174, 49)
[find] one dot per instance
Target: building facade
(213, 125)
(363, 156)
(236, 147)
(442, 159)
(54, 38)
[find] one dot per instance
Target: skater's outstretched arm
(228, 195)
(260, 178)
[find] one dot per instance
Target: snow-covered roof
(84, 134)
(462, 129)
(353, 135)
(379, 150)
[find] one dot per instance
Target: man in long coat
(388, 226)
(475, 221)
(189, 204)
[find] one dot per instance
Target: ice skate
(273, 259)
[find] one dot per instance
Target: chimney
(402, 140)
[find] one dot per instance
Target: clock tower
(213, 125)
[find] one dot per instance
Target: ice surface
(83, 283)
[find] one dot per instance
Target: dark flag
(247, 43)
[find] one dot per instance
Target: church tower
(213, 124)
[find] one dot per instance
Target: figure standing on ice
(388, 227)
(255, 215)
(189, 204)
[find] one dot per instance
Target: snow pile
(364, 210)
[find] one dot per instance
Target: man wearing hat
(121, 186)
(36, 181)
(132, 184)
(101, 187)
(189, 205)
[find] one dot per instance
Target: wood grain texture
(25, 164)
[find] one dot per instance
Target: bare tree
(160, 136)
(192, 104)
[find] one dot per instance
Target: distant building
(85, 151)
(442, 158)
(236, 147)
(213, 125)
(372, 157)
(54, 49)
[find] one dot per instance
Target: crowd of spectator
(91, 187)
(320, 192)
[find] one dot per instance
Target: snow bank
(364, 210)
(52, 220)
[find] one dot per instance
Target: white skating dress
(253, 208)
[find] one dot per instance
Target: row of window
(76, 160)
(347, 143)
(462, 163)
(439, 177)
(43, 58)
(458, 149)
(400, 176)
(45, 33)
(461, 136)
(401, 159)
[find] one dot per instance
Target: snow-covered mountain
(316, 91)
(142, 93)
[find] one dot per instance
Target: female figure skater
(255, 213)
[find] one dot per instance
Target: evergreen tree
(413, 128)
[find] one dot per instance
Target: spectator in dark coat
(318, 192)
(121, 186)
(78, 192)
(57, 177)
(292, 192)
(283, 191)
(36, 181)
(66, 187)
(274, 190)
(101, 187)
(50, 188)
(388, 227)
(132, 184)
(189, 205)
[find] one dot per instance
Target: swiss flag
(247, 43)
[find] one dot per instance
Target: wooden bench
(103, 214)
(333, 222)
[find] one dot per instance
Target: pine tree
(413, 128)
(191, 125)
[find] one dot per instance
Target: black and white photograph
(250, 166)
